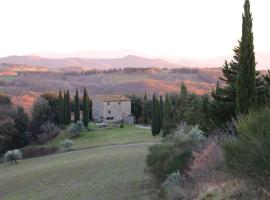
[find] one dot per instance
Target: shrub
(67, 144)
(248, 154)
(171, 186)
(12, 156)
(36, 151)
(174, 153)
(74, 130)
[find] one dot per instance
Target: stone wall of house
(115, 111)
(97, 109)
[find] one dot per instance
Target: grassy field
(109, 172)
(111, 136)
(113, 173)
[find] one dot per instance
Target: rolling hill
(86, 63)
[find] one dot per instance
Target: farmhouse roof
(107, 98)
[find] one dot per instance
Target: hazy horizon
(172, 29)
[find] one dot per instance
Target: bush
(67, 144)
(74, 130)
(248, 154)
(12, 156)
(171, 186)
(174, 153)
(37, 151)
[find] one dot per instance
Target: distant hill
(86, 63)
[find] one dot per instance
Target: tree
(136, 107)
(182, 103)
(61, 111)
(85, 108)
(168, 123)
(246, 94)
(7, 132)
(76, 107)
(53, 101)
(68, 110)
(161, 109)
(65, 108)
(146, 109)
(40, 112)
(21, 120)
(155, 116)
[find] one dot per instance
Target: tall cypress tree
(246, 95)
(154, 124)
(76, 107)
(158, 116)
(168, 124)
(65, 108)
(161, 111)
(145, 116)
(85, 108)
(68, 111)
(61, 108)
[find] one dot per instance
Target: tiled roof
(112, 98)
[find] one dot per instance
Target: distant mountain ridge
(86, 63)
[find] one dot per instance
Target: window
(119, 103)
(108, 103)
(109, 118)
(109, 112)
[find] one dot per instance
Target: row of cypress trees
(64, 110)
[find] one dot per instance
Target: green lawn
(115, 170)
(105, 173)
(111, 136)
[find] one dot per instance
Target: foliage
(53, 102)
(76, 107)
(171, 186)
(40, 114)
(37, 151)
(248, 154)
(155, 125)
(175, 152)
(74, 130)
(246, 94)
(67, 144)
(61, 108)
(136, 107)
(85, 108)
(12, 156)
(7, 133)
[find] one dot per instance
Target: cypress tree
(161, 111)
(145, 116)
(68, 111)
(65, 108)
(60, 108)
(158, 116)
(85, 108)
(246, 95)
(167, 124)
(154, 124)
(76, 107)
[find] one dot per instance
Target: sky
(176, 28)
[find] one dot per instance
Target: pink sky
(176, 28)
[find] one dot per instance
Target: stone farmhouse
(111, 108)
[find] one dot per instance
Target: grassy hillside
(114, 171)
(106, 173)
(111, 136)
